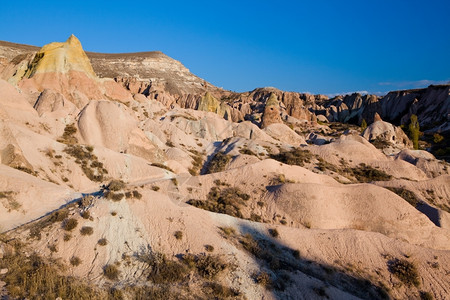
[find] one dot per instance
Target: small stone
(3, 271)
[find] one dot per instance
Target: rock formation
(140, 179)
(271, 113)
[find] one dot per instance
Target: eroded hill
(127, 177)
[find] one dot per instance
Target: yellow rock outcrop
(61, 58)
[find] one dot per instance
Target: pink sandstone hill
(124, 176)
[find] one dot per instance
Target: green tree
(414, 131)
(363, 125)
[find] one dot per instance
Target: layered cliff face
(431, 105)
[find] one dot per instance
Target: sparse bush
(405, 271)
(111, 272)
(294, 157)
(70, 224)
(114, 196)
(197, 163)
(116, 185)
(209, 248)
(255, 218)
(53, 248)
(409, 196)
(68, 135)
(226, 201)
(89, 162)
(67, 237)
(296, 254)
(219, 291)
(263, 278)
(136, 194)
(75, 261)
(207, 266)
(85, 214)
(247, 151)
(86, 230)
(162, 166)
(162, 270)
(426, 296)
(365, 173)
(33, 277)
(228, 230)
(155, 188)
(178, 235)
(35, 232)
(102, 242)
(218, 163)
(274, 232)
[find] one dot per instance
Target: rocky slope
(124, 188)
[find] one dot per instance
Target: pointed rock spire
(271, 113)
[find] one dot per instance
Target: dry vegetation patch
(225, 201)
(91, 167)
(218, 163)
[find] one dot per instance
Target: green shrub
(102, 242)
(155, 188)
(414, 131)
(363, 125)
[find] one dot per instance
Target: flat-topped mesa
(61, 58)
(271, 111)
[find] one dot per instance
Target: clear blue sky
(306, 46)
